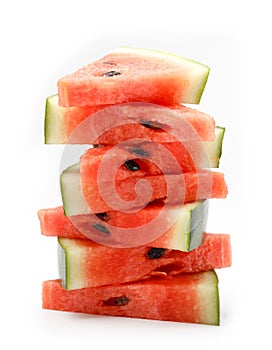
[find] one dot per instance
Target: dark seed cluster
(117, 301)
(151, 124)
(111, 73)
(103, 216)
(131, 165)
(155, 253)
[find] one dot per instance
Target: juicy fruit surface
(61, 123)
(87, 195)
(157, 158)
(134, 75)
(148, 281)
(179, 227)
(183, 298)
(108, 194)
(83, 261)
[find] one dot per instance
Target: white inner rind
(74, 264)
(72, 197)
(208, 295)
(182, 228)
(54, 124)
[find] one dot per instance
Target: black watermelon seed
(131, 165)
(139, 151)
(117, 301)
(151, 124)
(103, 216)
(101, 228)
(111, 73)
(155, 253)
(110, 63)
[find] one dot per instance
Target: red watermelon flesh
(173, 227)
(184, 298)
(88, 264)
(105, 190)
(131, 75)
(120, 122)
(152, 158)
(150, 122)
(61, 123)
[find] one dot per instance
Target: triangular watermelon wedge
(61, 123)
(82, 262)
(190, 298)
(132, 75)
(175, 227)
(84, 191)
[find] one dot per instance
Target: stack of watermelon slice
(132, 226)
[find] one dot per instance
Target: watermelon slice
(178, 228)
(86, 189)
(190, 298)
(61, 122)
(131, 75)
(153, 158)
(189, 155)
(83, 263)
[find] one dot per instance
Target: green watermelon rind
(190, 226)
(62, 264)
(192, 96)
(199, 218)
(220, 141)
(215, 148)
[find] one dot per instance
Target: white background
(42, 41)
